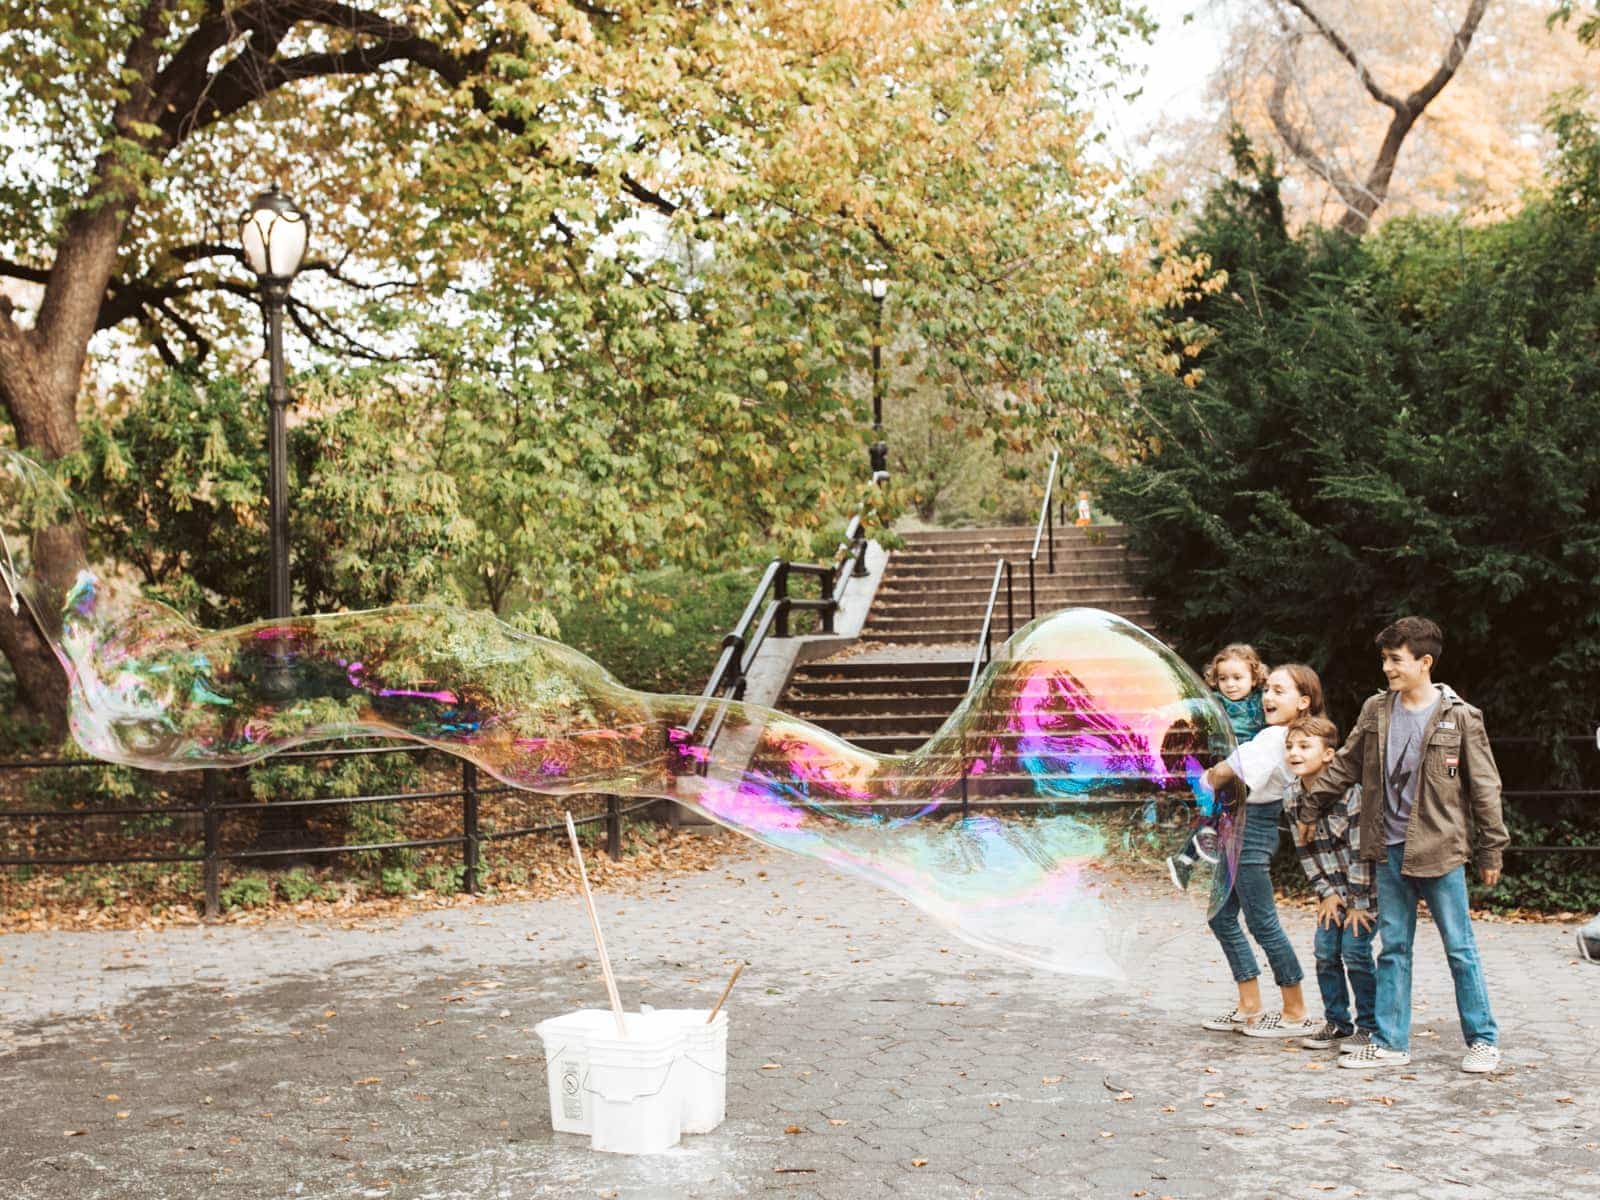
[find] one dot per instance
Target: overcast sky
(1175, 65)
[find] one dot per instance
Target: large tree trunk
(40, 372)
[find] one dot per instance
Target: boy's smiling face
(1306, 755)
(1404, 671)
(1234, 679)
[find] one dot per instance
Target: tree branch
(1342, 48)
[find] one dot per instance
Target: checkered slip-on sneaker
(1373, 1057)
(1481, 1058)
(1228, 1022)
(1276, 1025)
(1328, 1036)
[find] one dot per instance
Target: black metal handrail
(983, 653)
(772, 601)
(1046, 523)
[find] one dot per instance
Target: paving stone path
(398, 1061)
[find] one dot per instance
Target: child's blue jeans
(1398, 894)
(1252, 895)
(1341, 952)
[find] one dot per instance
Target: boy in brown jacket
(1428, 784)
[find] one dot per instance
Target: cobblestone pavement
(397, 1060)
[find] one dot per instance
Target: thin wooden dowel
(718, 1006)
(599, 938)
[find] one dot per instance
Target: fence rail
(213, 812)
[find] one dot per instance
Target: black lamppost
(273, 233)
(877, 286)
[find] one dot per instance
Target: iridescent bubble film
(1033, 823)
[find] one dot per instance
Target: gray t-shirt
(1404, 753)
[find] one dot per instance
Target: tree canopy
(617, 249)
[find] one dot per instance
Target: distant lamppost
(273, 234)
(877, 287)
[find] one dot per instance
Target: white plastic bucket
(566, 1050)
(634, 1086)
(703, 1079)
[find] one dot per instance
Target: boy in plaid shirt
(1330, 855)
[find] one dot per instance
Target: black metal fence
(213, 811)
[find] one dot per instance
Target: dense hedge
(1404, 423)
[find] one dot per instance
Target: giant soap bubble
(1072, 766)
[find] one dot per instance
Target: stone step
(983, 573)
(967, 629)
(1018, 556)
(1065, 535)
(977, 586)
(855, 668)
(864, 689)
(906, 607)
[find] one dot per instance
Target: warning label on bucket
(571, 1091)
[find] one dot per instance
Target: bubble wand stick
(599, 938)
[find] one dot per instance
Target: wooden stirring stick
(599, 938)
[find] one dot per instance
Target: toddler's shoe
(1276, 1025)
(1228, 1022)
(1329, 1035)
(1589, 941)
(1373, 1057)
(1481, 1059)
(1180, 867)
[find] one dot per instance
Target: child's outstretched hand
(1329, 912)
(1360, 920)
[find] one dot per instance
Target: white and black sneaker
(1179, 868)
(1276, 1025)
(1205, 843)
(1481, 1059)
(1228, 1022)
(1328, 1036)
(1373, 1057)
(1589, 941)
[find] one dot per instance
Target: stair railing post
(1050, 534)
(1011, 616)
(829, 604)
(780, 585)
(614, 827)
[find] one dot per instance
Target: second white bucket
(704, 1082)
(634, 1086)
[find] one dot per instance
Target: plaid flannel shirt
(1332, 858)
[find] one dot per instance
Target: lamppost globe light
(875, 286)
(273, 234)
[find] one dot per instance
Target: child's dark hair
(1315, 727)
(1308, 684)
(1416, 634)
(1246, 654)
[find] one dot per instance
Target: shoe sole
(1172, 873)
(1391, 1065)
(1272, 1034)
(1320, 1043)
(1480, 1070)
(1583, 949)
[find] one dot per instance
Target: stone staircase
(935, 589)
(890, 692)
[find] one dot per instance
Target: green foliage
(297, 885)
(176, 486)
(663, 634)
(1393, 425)
(1549, 882)
(398, 881)
(248, 891)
